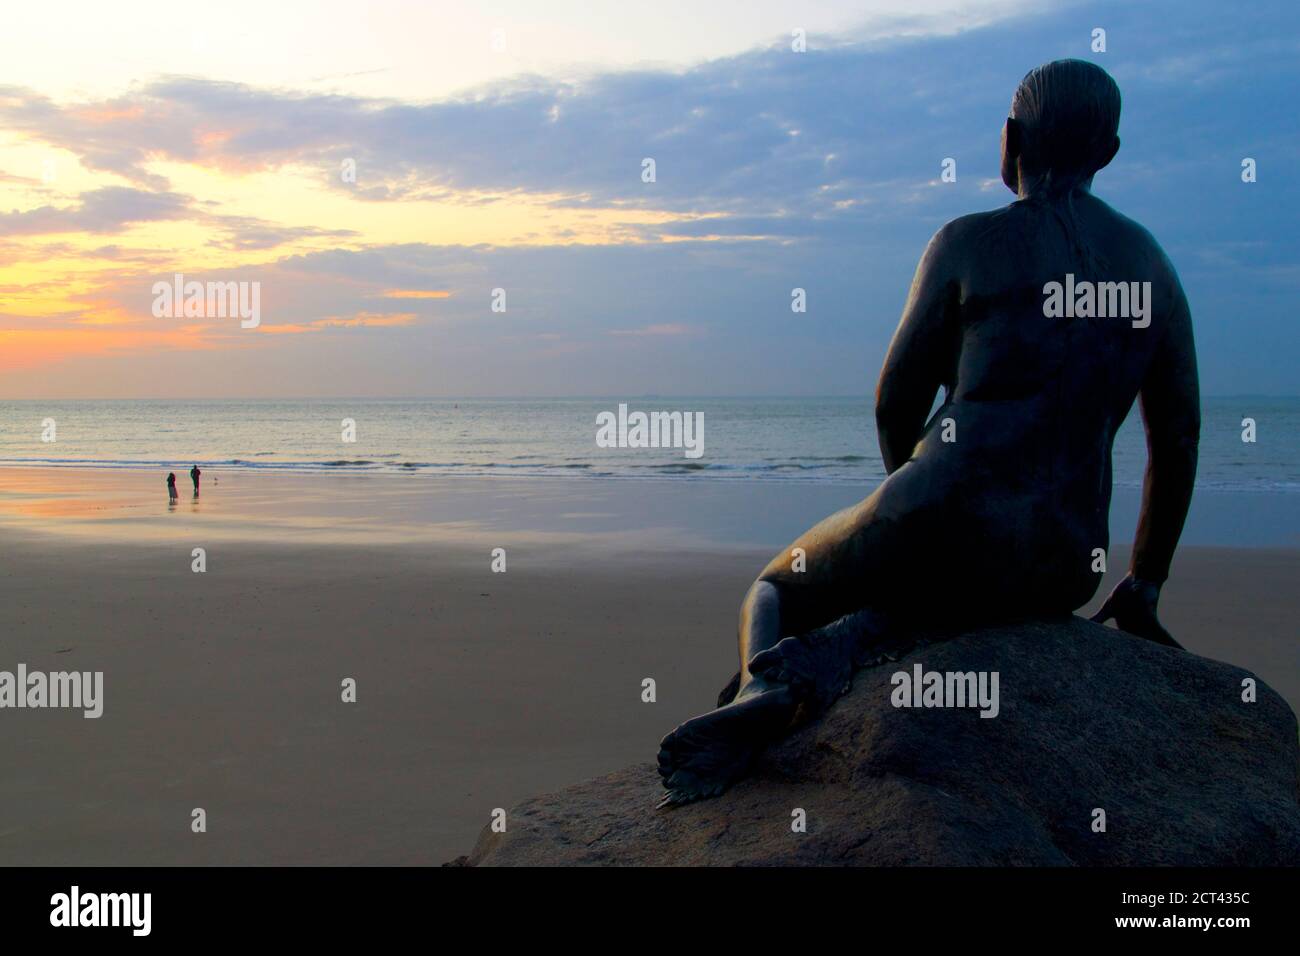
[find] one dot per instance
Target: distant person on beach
(171, 486)
(1042, 322)
(194, 476)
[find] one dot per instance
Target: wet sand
(475, 689)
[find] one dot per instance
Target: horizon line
(517, 398)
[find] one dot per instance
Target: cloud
(765, 135)
(759, 132)
(23, 180)
(360, 320)
(246, 233)
(665, 328)
(785, 145)
(773, 170)
(416, 294)
(107, 210)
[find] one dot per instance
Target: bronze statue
(1042, 322)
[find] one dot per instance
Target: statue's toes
(671, 798)
(683, 787)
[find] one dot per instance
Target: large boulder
(1089, 718)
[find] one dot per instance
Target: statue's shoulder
(957, 243)
(1145, 250)
(965, 235)
(968, 227)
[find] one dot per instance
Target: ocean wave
(813, 469)
(844, 458)
(684, 466)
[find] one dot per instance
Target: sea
(751, 439)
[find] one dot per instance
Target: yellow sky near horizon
(51, 273)
(68, 288)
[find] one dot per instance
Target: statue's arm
(1171, 411)
(919, 357)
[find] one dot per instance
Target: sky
(379, 169)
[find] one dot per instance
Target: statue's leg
(760, 629)
(828, 572)
(773, 650)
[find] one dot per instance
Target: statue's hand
(1133, 606)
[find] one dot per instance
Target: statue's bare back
(1041, 322)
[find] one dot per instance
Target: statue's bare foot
(818, 672)
(707, 754)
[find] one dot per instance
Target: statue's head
(1063, 127)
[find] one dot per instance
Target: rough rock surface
(1161, 740)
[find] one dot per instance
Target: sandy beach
(475, 689)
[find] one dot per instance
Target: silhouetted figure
(171, 486)
(993, 509)
(194, 477)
